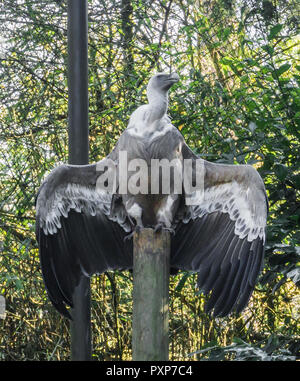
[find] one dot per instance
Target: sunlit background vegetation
(237, 102)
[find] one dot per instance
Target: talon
(159, 227)
(137, 229)
(128, 236)
(170, 230)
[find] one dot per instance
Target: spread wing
(222, 234)
(76, 232)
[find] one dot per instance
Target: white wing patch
(238, 202)
(72, 196)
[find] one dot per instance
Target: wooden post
(151, 270)
(79, 154)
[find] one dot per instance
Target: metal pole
(79, 154)
(151, 269)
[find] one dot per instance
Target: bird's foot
(137, 229)
(160, 227)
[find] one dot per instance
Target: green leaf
(226, 61)
(182, 281)
(226, 33)
(269, 49)
(296, 180)
(238, 340)
(274, 31)
(282, 69)
(281, 171)
(244, 78)
(252, 105)
(19, 284)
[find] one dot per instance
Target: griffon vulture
(83, 229)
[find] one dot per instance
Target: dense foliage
(237, 102)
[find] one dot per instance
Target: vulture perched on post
(218, 229)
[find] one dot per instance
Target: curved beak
(173, 77)
(170, 80)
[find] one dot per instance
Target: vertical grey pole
(79, 154)
(151, 270)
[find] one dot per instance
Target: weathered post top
(151, 264)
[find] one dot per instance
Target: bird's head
(161, 83)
